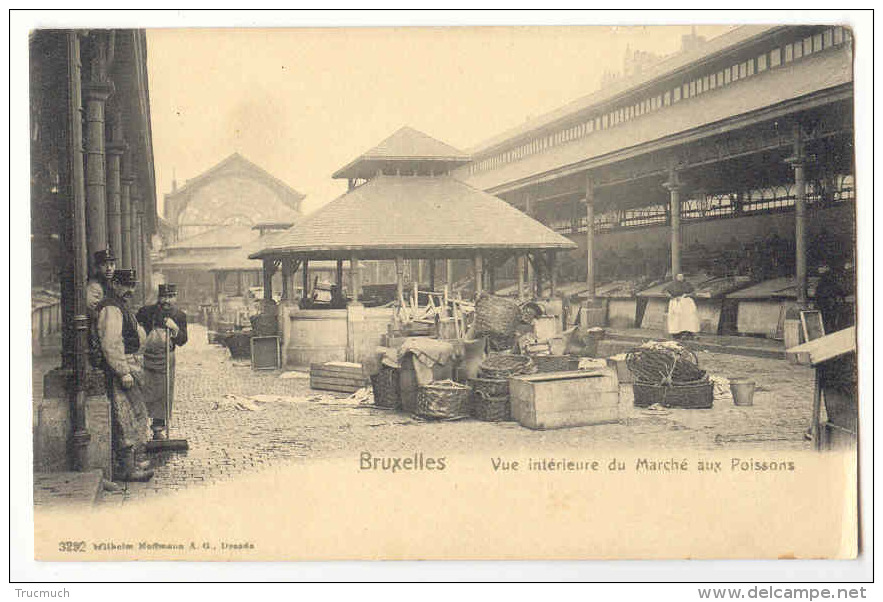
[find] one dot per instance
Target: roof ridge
(234, 156)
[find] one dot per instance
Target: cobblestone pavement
(231, 435)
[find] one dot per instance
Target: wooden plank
(335, 388)
(339, 381)
(829, 346)
(330, 368)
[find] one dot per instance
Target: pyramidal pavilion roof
(413, 216)
(407, 151)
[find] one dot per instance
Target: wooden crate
(266, 353)
(564, 399)
(343, 377)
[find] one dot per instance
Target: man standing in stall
(166, 328)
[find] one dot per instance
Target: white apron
(682, 315)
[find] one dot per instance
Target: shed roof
(413, 216)
(222, 237)
(406, 149)
(238, 259)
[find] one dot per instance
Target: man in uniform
(166, 328)
(98, 287)
(121, 338)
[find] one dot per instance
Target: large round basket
(490, 409)
(677, 365)
(490, 387)
(504, 365)
(556, 363)
(698, 395)
(387, 389)
(442, 399)
(496, 315)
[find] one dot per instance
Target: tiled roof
(411, 214)
(237, 259)
(223, 237)
(201, 260)
(406, 145)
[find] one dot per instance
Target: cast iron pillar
(553, 273)
(798, 164)
(96, 91)
(80, 326)
(590, 240)
(400, 279)
(530, 211)
(137, 248)
(126, 181)
(479, 273)
(115, 151)
(674, 187)
(520, 267)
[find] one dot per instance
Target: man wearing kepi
(121, 339)
(166, 328)
(98, 287)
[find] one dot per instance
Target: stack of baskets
(496, 316)
(387, 388)
(442, 399)
(490, 391)
(668, 374)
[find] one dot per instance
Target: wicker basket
(659, 365)
(442, 399)
(496, 315)
(490, 387)
(504, 365)
(387, 389)
(556, 363)
(490, 409)
(699, 395)
(530, 311)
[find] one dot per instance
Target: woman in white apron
(683, 318)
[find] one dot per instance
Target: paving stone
(226, 442)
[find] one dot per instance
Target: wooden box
(266, 353)
(623, 374)
(546, 327)
(344, 377)
(564, 399)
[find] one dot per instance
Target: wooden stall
(402, 204)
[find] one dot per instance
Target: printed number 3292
(71, 546)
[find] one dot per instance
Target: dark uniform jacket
(153, 316)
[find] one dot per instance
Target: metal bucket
(743, 391)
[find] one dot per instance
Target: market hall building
(731, 162)
(92, 186)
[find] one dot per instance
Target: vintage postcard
(463, 293)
